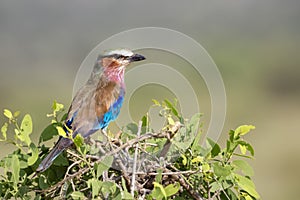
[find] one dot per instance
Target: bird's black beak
(136, 57)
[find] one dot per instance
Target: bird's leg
(108, 144)
(104, 132)
(110, 140)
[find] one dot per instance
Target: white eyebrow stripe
(123, 52)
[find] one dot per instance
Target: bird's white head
(122, 57)
(115, 61)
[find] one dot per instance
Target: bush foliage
(136, 163)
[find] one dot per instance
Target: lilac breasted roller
(98, 102)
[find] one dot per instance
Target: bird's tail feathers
(61, 145)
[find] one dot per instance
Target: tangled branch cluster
(125, 166)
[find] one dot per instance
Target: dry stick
(168, 173)
(185, 184)
(124, 173)
(135, 160)
(216, 195)
(222, 188)
(189, 189)
(72, 165)
(208, 192)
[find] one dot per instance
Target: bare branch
(135, 160)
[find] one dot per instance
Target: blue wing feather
(112, 113)
(99, 122)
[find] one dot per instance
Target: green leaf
(16, 114)
(184, 138)
(198, 159)
(43, 182)
(220, 185)
(193, 124)
(61, 160)
(158, 177)
(228, 145)
(23, 162)
(173, 109)
(172, 189)
(230, 194)
(243, 130)
(126, 195)
(204, 152)
(215, 148)
(215, 186)
(107, 188)
(64, 117)
(37, 197)
(57, 106)
(205, 167)
(179, 198)
(231, 136)
(34, 154)
(61, 131)
(244, 146)
(7, 113)
(221, 171)
(78, 141)
(4, 130)
(77, 195)
(243, 149)
(131, 129)
(158, 192)
(250, 149)
(184, 159)
(124, 185)
(145, 122)
(171, 121)
(244, 166)
(15, 166)
(48, 133)
(156, 102)
(247, 185)
(26, 124)
(196, 141)
(247, 197)
(95, 185)
(26, 129)
(104, 165)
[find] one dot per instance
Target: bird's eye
(119, 56)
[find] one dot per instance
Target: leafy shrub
(135, 163)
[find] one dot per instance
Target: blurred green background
(255, 45)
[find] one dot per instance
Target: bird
(97, 103)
